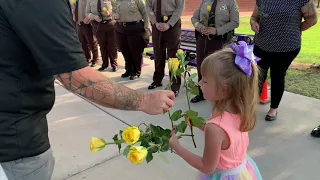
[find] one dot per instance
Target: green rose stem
(115, 142)
(188, 99)
(169, 88)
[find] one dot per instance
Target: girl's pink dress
(234, 163)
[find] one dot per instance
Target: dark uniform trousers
(104, 32)
(204, 48)
(129, 38)
(89, 43)
(168, 40)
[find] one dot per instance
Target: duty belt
(129, 23)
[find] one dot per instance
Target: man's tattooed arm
(96, 87)
(309, 13)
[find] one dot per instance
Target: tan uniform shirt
(81, 10)
(226, 16)
(130, 11)
(173, 8)
(92, 9)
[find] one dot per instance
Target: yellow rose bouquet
(142, 142)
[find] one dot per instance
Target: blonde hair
(242, 89)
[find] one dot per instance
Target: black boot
(316, 132)
(125, 75)
(154, 85)
(198, 98)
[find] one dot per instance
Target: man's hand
(86, 20)
(98, 88)
(155, 102)
(97, 18)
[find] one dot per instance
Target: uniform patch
(236, 7)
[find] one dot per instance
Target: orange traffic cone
(264, 94)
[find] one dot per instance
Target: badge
(223, 8)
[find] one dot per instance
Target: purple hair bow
(244, 56)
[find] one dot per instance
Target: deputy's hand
(212, 30)
(86, 20)
(159, 26)
(97, 18)
(116, 16)
(106, 13)
(204, 30)
(155, 102)
(255, 27)
(166, 26)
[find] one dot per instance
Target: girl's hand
(173, 141)
(255, 27)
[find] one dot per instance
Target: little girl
(230, 81)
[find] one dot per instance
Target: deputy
(85, 34)
(214, 22)
(165, 18)
(99, 12)
(130, 28)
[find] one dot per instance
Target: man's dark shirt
(37, 41)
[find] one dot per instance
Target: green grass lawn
(310, 50)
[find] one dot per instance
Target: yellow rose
(208, 8)
(131, 134)
(97, 144)
(72, 1)
(165, 18)
(104, 9)
(137, 154)
(173, 64)
(180, 51)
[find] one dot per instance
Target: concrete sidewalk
(282, 149)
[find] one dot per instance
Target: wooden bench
(188, 44)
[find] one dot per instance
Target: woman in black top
(278, 25)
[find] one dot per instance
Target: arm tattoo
(104, 91)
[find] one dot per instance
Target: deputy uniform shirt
(81, 10)
(173, 8)
(130, 11)
(37, 41)
(92, 9)
(226, 16)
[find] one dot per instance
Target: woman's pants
(278, 62)
(205, 47)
